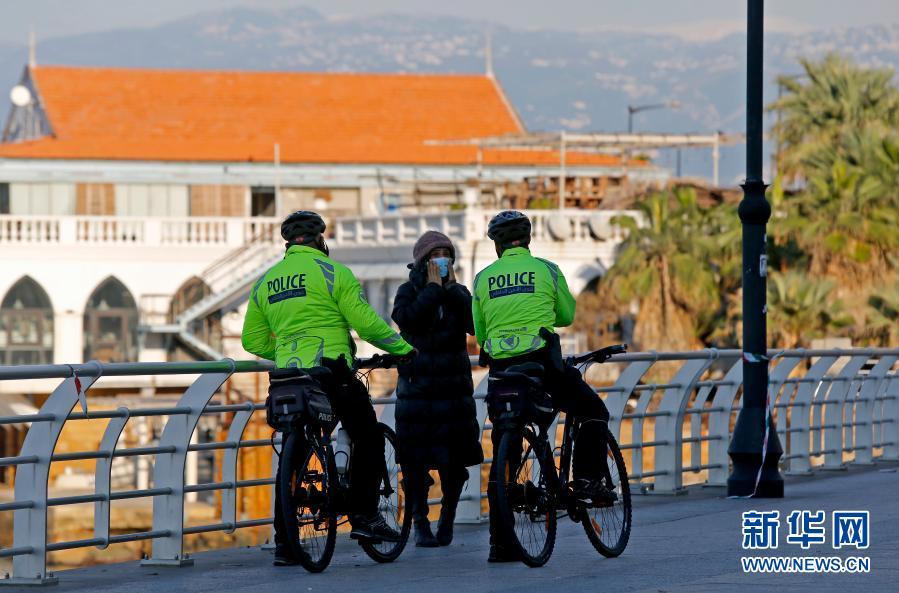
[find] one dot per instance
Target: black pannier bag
(515, 401)
(295, 397)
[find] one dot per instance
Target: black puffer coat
(435, 411)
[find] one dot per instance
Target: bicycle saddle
(531, 369)
(319, 373)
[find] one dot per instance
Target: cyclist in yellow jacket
(517, 301)
(299, 315)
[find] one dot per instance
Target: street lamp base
(746, 453)
(767, 488)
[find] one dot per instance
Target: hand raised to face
(434, 273)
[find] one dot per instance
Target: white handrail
(683, 414)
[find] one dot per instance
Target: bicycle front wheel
(524, 499)
(306, 505)
(608, 525)
(391, 504)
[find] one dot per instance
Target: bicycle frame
(568, 434)
(317, 440)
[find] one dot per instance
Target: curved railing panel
(829, 407)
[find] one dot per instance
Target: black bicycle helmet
(302, 226)
(509, 226)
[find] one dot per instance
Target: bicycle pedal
(365, 540)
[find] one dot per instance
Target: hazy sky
(691, 18)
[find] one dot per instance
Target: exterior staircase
(230, 279)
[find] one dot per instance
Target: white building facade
(111, 231)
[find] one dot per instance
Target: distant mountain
(556, 79)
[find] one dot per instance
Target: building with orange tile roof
(373, 134)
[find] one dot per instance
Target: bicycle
(315, 495)
(531, 489)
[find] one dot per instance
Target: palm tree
(882, 323)
(834, 97)
(801, 308)
(838, 132)
(663, 268)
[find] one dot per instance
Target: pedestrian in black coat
(436, 425)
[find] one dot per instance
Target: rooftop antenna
(488, 53)
(32, 49)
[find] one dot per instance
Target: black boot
(452, 483)
(445, 527)
(500, 553)
(423, 536)
(416, 483)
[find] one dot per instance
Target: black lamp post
(747, 447)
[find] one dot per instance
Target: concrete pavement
(678, 544)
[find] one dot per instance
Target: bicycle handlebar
(383, 361)
(601, 355)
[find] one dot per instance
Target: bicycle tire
(393, 505)
(596, 523)
(523, 504)
(306, 504)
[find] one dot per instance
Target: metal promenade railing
(672, 413)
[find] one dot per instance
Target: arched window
(110, 323)
(26, 325)
(207, 329)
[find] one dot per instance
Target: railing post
(168, 471)
(833, 413)
(469, 508)
(890, 419)
(103, 475)
(153, 231)
(719, 424)
(67, 232)
(276, 455)
(669, 427)
(799, 459)
(616, 401)
(776, 380)
(864, 410)
(30, 525)
(229, 465)
(238, 232)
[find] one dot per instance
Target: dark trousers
(351, 403)
(571, 394)
(417, 482)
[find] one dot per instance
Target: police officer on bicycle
(300, 314)
(517, 301)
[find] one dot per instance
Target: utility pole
(755, 459)
(488, 54)
(562, 173)
(278, 180)
(32, 49)
(632, 109)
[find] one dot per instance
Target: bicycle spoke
(389, 504)
(527, 491)
(608, 525)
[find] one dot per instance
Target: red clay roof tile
(181, 115)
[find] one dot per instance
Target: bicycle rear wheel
(608, 527)
(391, 504)
(306, 502)
(524, 499)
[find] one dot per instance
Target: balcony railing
(548, 225)
(227, 232)
(671, 412)
(233, 232)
